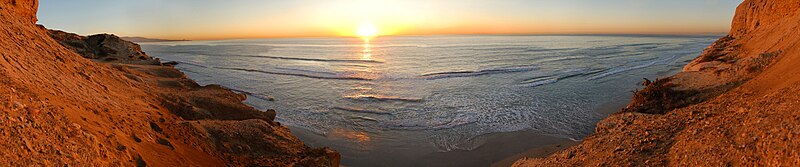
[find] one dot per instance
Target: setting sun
(367, 30)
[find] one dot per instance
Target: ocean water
(435, 100)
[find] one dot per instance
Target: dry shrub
(658, 97)
(762, 61)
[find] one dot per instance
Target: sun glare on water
(367, 30)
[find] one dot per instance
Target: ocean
(448, 100)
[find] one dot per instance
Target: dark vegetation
(658, 97)
(720, 51)
(763, 60)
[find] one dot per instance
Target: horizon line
(456, 34)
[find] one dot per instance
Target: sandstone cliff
(104, 48)
(735, 105)
(120, 108)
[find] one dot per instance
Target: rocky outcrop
(104, 47)
(762, 14)
(735, 105)
(23, 11)
(59, 108)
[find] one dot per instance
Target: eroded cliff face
(761, 46)
(752, 14)
(106, 48)
(58, 108)
(736, 104)
(20, 10)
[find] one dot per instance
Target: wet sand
(546, 150)
(539, 152)
(497, 148)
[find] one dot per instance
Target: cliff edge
(100, 101)
(735, 105)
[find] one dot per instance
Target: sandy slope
(745, 112)
(57, 108)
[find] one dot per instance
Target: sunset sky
(218, 19)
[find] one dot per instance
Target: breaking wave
(307, 75)
(456, 74)
(381, 98)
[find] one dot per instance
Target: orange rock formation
(58, 108)
(737, 104)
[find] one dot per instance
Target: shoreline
(539, 152)
(730, 106)
(550, 149)
(494, 141)
(606, 109)
(494, 149)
